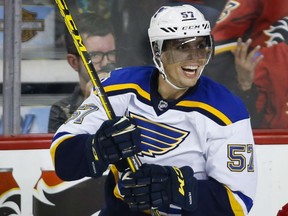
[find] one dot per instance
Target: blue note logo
(158, 138)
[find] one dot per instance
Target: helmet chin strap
(161, 69)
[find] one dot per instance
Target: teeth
(190, 67)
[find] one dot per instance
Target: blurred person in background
(98, 37)
(262, 27)
(268, 78)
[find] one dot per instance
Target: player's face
(96, 45)
(184, 60)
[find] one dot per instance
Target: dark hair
(90, 24)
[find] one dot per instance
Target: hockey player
(191, 134)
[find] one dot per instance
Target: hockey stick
(134, 162)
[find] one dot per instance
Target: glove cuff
(183, 187)
(96, 164)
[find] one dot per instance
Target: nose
(197, 53)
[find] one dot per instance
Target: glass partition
(46, 76)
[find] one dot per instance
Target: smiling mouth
(191, 69)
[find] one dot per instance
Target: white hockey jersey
(207, 129)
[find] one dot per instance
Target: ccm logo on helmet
(192, 27)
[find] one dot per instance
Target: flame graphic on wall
(49, 184)
(10, 202)
(52, 196)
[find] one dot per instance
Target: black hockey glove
(158, 186)
(115, 140)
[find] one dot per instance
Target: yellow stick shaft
(134, 162)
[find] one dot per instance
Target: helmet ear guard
(155, 49)
(156, 56)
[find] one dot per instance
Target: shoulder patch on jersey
(230, 6)
(158, 138)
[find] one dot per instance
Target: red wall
(43, 141)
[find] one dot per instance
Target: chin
(191, 84)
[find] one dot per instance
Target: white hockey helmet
(177, 22)
(174, 22)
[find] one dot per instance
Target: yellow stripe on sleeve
(236, 207)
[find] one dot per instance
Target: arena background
(28, 184)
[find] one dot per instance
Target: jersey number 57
(239, 155)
